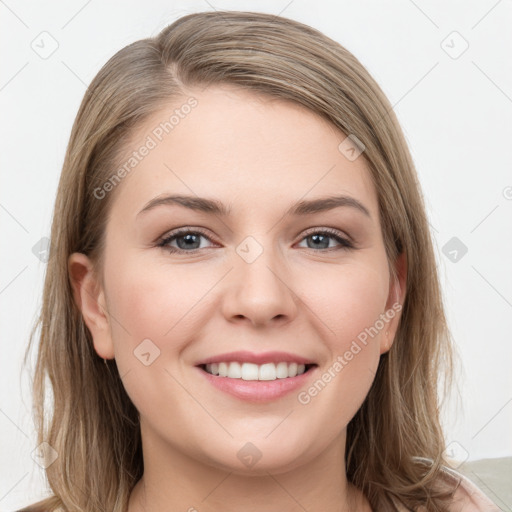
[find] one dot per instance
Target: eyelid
(345, 241)
(184, 230)
(330, 231)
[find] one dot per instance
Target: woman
(240, 235)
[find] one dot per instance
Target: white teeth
(234, 371)
(223, 370)
(267, 372)
(282, 370)
(250, 371)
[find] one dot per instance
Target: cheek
(348, 299)
(153, 319)
(349, 306)
(168, 306)
(154, 300)
(162, 304)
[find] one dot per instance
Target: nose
(260, 292)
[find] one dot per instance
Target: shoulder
(467, 496)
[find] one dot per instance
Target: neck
(173, 480)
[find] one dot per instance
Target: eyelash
(345, 244)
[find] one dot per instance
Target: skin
(259, 156)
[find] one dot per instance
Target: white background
(457, 117)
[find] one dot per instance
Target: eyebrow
(214, 207)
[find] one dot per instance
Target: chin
(259, 457)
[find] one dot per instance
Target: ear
(395, 302)
(90, 299)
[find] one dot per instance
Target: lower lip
(258, 390)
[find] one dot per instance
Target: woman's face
(263, 277)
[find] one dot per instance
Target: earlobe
(90, 299)
(395, 302)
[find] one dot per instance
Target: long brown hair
(94, 427)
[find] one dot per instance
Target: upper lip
(251, 357)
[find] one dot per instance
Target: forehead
(243, 148)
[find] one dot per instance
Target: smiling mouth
(256, 372)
